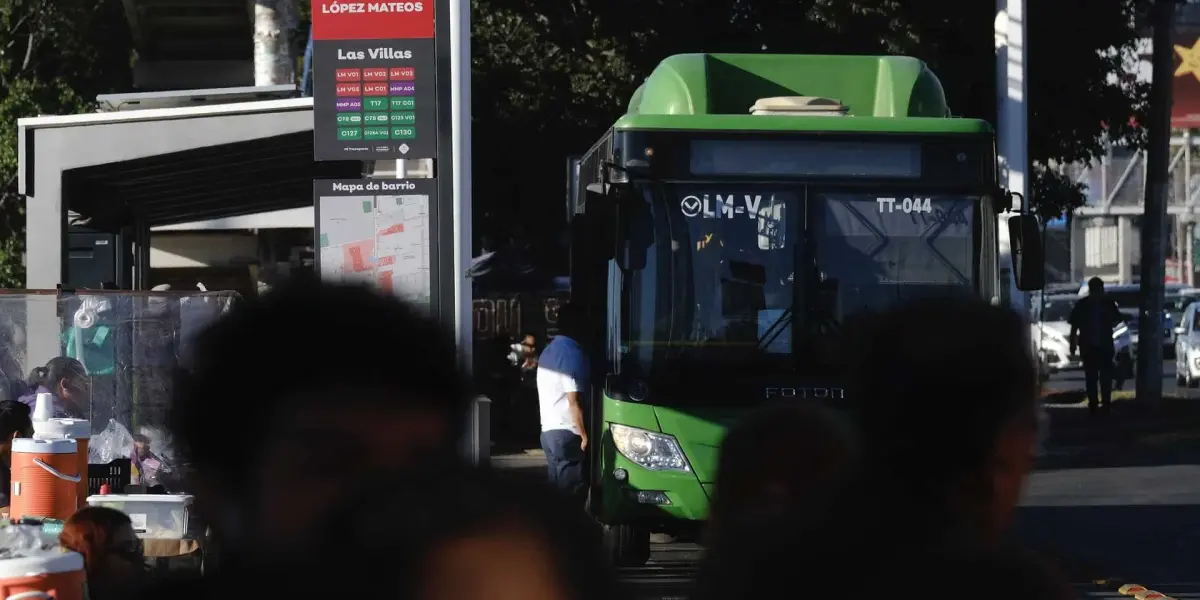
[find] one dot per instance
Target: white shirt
(562, 368)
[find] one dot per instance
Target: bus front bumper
(636, 495)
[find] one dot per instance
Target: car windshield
(738, 273)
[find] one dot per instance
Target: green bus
(728, 223)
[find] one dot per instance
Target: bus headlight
(649, 449)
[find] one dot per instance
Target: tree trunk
(273, 22)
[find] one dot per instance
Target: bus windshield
(739, 273)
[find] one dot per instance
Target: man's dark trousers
(1098, 373)
(566, 463)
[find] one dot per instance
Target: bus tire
(627, 545)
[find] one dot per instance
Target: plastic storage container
(79, 430)
(57, 576)
(45, 479)
(154, 516)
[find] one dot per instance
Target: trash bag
(19, 540)
(109, 445)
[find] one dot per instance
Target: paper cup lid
(76, 429)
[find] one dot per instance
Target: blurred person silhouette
(947, 425)
(66, 380)
(442, 534)
(15, 422)
(948, 422)
(786, 457)
(485, 535)
(1092, 320)
(762, 555)
(562, 386)
(113, 555)
(340, 397)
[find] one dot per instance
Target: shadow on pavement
(1127, 421)
(1152, 543)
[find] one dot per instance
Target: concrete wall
(191, 250)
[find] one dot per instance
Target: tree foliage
(55, 57)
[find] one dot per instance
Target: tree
(55, 57)
(544, 85)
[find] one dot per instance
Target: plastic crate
(117, 474)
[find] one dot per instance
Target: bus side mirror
(1028, 256)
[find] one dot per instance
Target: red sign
(349, 89)
(1185, 91)
(403, 74)
(348, 20)
(348, 75)
(375, 89)
(376, 74)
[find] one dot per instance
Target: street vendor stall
(129, 345)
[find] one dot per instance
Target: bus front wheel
(627, 545)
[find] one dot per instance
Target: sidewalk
(1129, 426)
(530, 463)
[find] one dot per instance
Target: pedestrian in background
(67, 382)
(562, 383)
(1092, 320)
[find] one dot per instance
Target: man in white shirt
(562, 381)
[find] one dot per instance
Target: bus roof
(715, 92)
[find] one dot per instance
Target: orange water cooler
(79, 430)
(45, 478)
(54, 576)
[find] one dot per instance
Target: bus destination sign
(373, 91)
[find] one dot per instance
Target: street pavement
(668, 575)
(1131, 514)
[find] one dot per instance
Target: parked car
(1187, 347)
